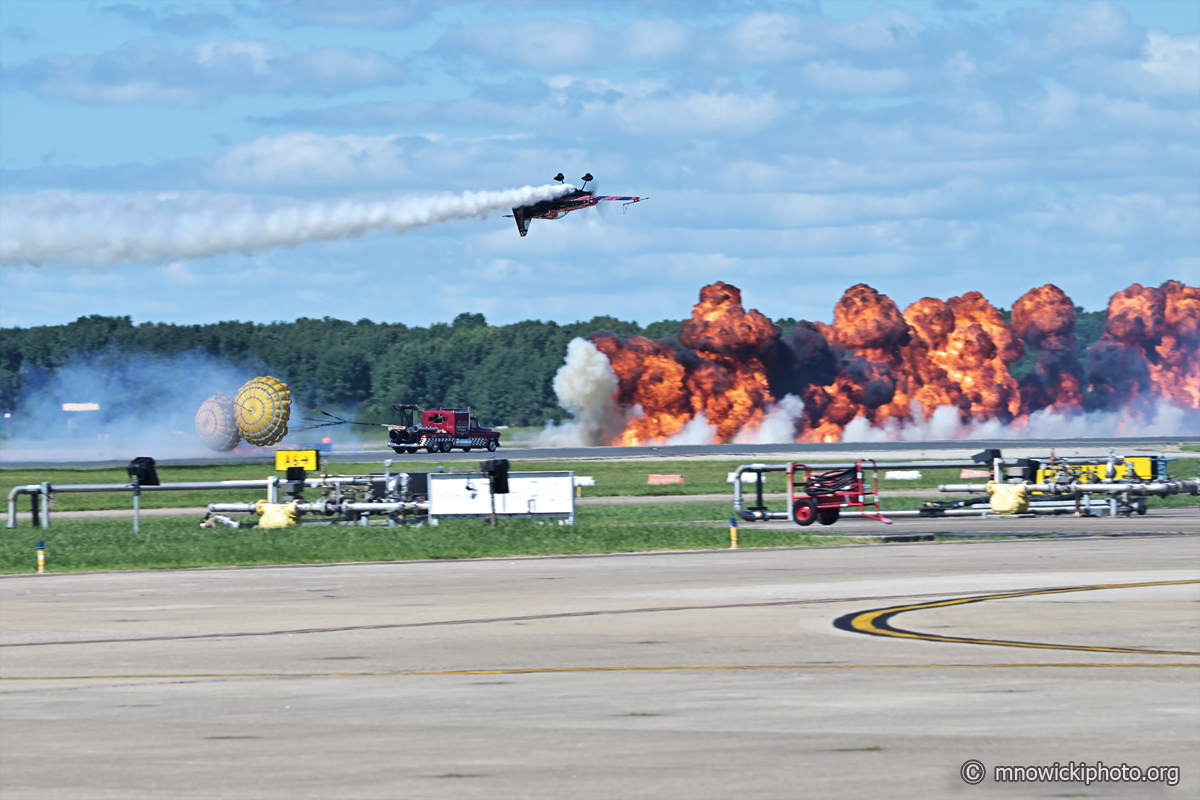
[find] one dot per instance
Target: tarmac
(864, 670)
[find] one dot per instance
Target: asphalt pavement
(838, 672)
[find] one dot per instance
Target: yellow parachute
(262, 407)
(217, 424)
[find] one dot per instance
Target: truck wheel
(804, 511)
(492, 445)
(431, 447)
(413, 450)
(445, 446)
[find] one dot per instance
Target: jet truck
(439, 430)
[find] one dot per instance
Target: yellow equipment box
(296, 458)
(1142, 466)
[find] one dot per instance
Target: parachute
(263, 406)
(259, 414)
(216, 423)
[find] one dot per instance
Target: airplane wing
(522, 221)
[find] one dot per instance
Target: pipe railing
(758, 513)
(41, 493)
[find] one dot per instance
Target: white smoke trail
(94, 229)
(585, 385)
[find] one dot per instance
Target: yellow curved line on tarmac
(549, 670)
(866, 621)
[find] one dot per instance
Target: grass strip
(174, 542)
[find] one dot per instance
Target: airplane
(559, 207)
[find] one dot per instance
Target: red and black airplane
(561, 206)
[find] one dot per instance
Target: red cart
(822, 495)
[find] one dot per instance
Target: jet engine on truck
(439, 430)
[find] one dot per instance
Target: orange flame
(894, 369)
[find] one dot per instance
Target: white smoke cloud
(95, 229)
(1161, 419)
(696, 431)
(778, 426)
(586, 386)
(147, 406)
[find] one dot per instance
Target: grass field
(175, 542)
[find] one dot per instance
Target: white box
(531, 495)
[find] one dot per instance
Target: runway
(947, 449)
(851, 671)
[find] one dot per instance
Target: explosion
(938, 364)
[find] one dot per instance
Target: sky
(924, 147)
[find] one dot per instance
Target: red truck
(439, 430)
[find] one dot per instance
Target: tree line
(504, 373)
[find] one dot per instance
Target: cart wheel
(1141, 506)
(492, 445)
(805, 511)
(828, 516)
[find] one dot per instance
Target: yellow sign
(296, 458)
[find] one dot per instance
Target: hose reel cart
(821, 496)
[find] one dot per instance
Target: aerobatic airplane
(561, 206)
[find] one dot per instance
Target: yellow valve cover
(1007, 498)
(216, 423)
(276, 515)
(263, 406)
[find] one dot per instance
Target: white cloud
(833, 77)
(151, 72)
(309, 158)
(1171, 65)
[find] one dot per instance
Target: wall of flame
(894, 369)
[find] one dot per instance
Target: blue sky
(926, 147)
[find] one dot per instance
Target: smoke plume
(586, 386)
(95, 229)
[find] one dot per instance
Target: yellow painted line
(550, 670)
(877, 622)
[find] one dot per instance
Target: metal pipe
(45, 498)
(1076, 488)
(325, 507)
(234, 508)
(31, 489)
